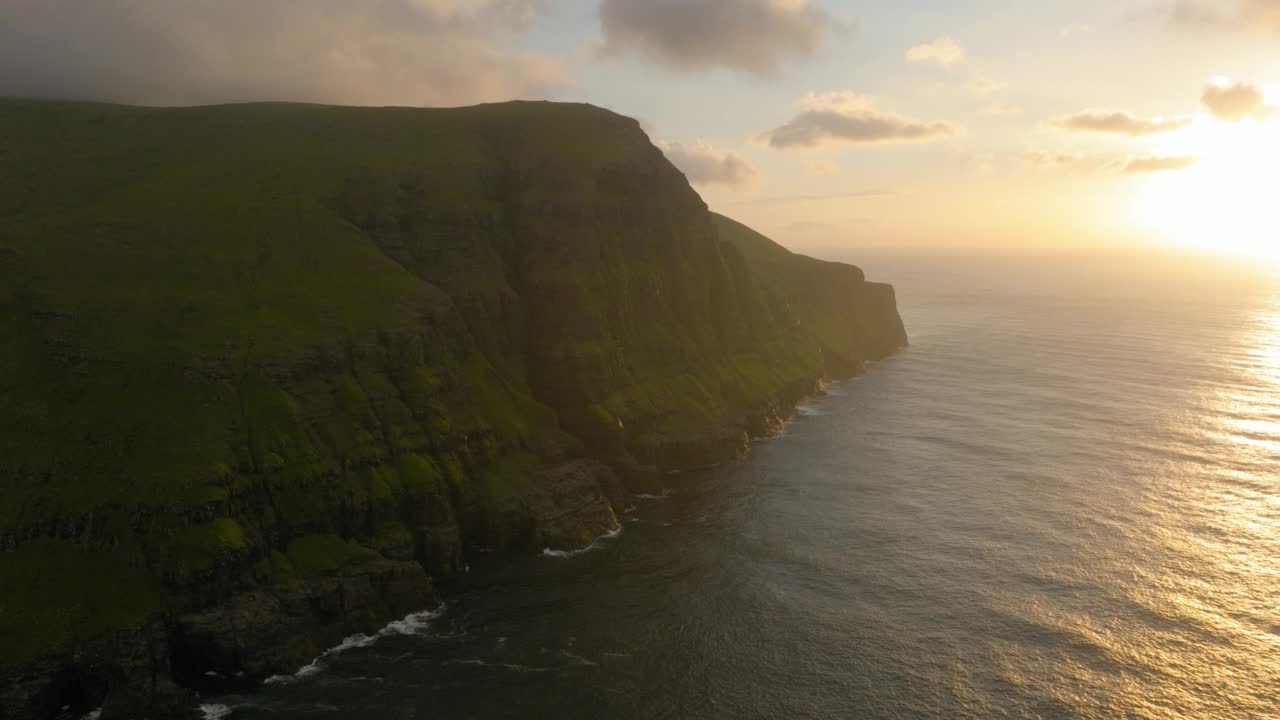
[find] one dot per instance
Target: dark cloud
(754, 36)
(816, 127)
(1235, 101)
(1158, 164)
(1119, 123)
(846, 117)
(406, 52)
(705, 165)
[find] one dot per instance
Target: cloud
(983, 85)
(405, 52)
(1080, 163)
(705, 165)
(753, 36)
(1255, 15)
(1119, 123)
(823, 167)
(847, 117)
(1073, 162)
(1157, 164)
(1052, 160)
(943, 52)
(1235, 101)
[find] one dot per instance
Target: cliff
(268, 371)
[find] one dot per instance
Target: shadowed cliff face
(268, 370)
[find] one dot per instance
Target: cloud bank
(705, 165)
(1120, 123)
(406, 52)
(847, 117)
(753, 36)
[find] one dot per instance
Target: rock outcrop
(271, 373)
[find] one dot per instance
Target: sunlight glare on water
(1061, 503)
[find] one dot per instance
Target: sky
(827, 124)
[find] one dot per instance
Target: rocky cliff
(270, 373)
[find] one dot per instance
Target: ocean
(1063, 501)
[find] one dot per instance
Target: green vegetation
(56, 594)
(245, 345)
(314, 555)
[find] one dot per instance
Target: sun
(1229, 200)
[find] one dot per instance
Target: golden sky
(825, 123)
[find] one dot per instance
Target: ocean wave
(412, 624)
(596, 545)
(215, 712)
(647, 496)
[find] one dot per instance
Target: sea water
(1063, 501)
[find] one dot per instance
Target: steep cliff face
(267, 371)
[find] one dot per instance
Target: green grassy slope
(852, 320)
(244, 345)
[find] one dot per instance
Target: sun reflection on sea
(1214, 539)
(1251, 414)
(1247, 507)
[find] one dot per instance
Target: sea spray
(596, 545)
(412, 624)
(215, 712)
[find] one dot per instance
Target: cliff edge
(268, 373)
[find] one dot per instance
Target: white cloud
(1235, 101)
(983, 85)
(943, 52)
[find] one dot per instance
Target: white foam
(644, 496)
(214, 712)
(593, 546)
(578, 659)
(412, 624)
(809, 411)
(409, 625)
(93, 715)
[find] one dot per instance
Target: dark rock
(279, 629)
